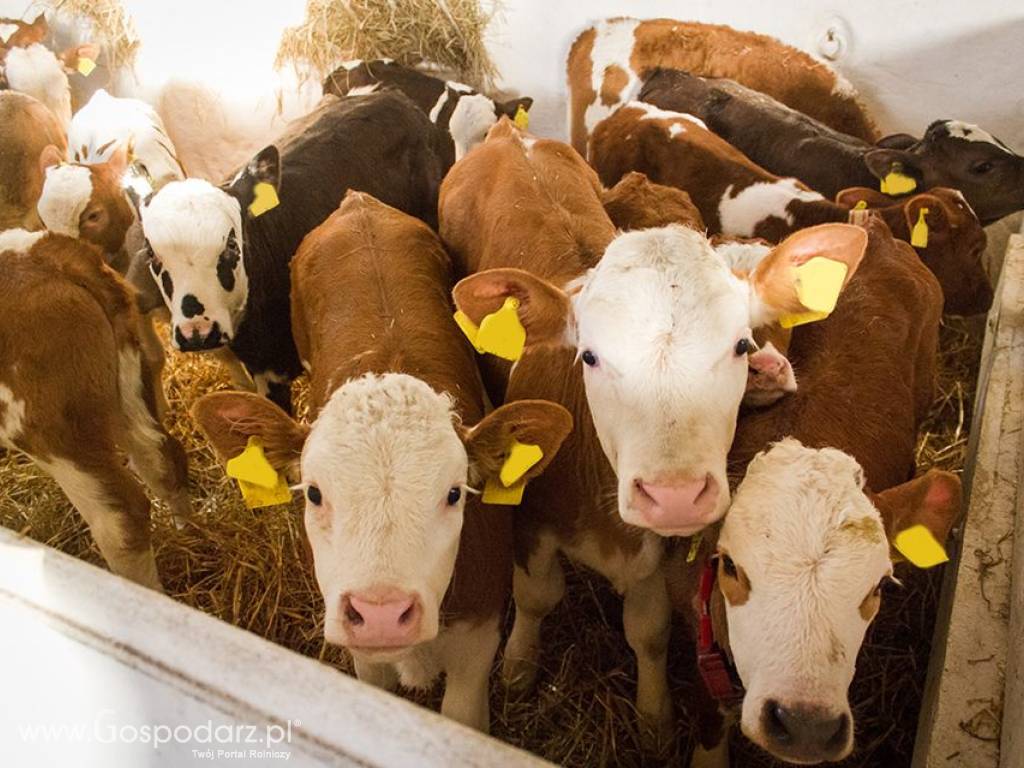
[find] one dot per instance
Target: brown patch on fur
(636, 202)
(870, 604)
(614, 80)
(26, 128)
(581, 90)
(735, 588)
(864, 528)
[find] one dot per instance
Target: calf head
(663, 330)
(87, 202)
(472, 115)
(196, 236)
(803, 555)
(385, 469)
(956, 241)
(964, 157)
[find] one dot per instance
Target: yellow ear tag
(501, 333)
(259, 482)
(264, 198)
(919, 546)
(818, 284)
(919, 234)
(862, 205)
(522, 118)
(85, 65)
(897, 183)
(496, 493)
(469, 328)
(521, 456)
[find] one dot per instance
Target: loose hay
(109, 24)
(447, 33)
(251, 568)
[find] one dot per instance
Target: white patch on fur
(662, 314)
(459, 87)
(472, 117)
(842, 87)
(133, 403)
(652, 112)
(363, 90)
(12, 415)
(384, 453)
(740, 215)
(6, 30)
(35, 70)
(743, 257)
(970, 132)
(187, 224)
(613, 46)
(107, 122)
(813, 548)
(67, 190)
(350, 64)
(438, 106)
(18, 240)
(262, 381)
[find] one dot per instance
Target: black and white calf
(221, 254)
(455, 107)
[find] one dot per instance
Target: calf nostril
(841, 734)
(354, 617)
(407, 614)
(775, 723)
(638, 484)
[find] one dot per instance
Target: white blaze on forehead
(66, 192)
(18, 240)
(384, 453)
(613, 46)
(39, 73)
(970, 132)
(12, 414)
(472, 117)
(813, 547)
(740, 214)
(652, 112)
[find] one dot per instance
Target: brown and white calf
(414, 570)
(77, 393)
(738, 198)
(788, 143)
(454, 107)
(662, 327)
(27, 127)
(608, 62)
(804, 549)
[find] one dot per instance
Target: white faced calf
(803, 554)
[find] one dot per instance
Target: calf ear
(850, 196)
(936, 218)
(49, 157)
(932, 500)
(543, 310)
(774, 280)
(512, 106)
(229, 419)
(896, 141)
(263, 168)
(69, 57)
(533, 422)
(881, 161)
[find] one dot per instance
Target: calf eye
(983, 167)
(314, 495)
(729, 567)
(742, 347)
(454, 494)
(589, 358)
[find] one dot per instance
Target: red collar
(717, 672)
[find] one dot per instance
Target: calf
(454, 107)
(662, 328)
(414, 570)
(27, 127)
(802, 550)
(608, 61)
(788, 143)
(221, 254)
(740, 199)
(77, 394)
(635, 202)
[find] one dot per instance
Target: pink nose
(382, 619)
(686, 505)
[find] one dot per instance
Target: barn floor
(250, 568)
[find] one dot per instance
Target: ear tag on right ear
(468, 327)
(919, 546)
(819, 282)
(522, 118)
(521, 457)
(85, 65)
(259, 482)
(896, 182)
(496, 493)
(501, 333)
(919, 234)
(264, 198)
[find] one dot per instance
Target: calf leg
(537, 589)
(646, 618)
(378, 675)
(115, 507)
(469, 655)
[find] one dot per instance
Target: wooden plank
(89, 661)
(962, 712)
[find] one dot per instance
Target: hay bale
(104, 22)
(445, 33)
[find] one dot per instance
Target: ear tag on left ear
(919, 234)
(469, 328)
(85, 65)
(919, 546)
(264, 198)
(818, 284)
(496, 493)
(896, 182)
(521, 456)
(501, 333)
(259, 482)
(522, 118)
